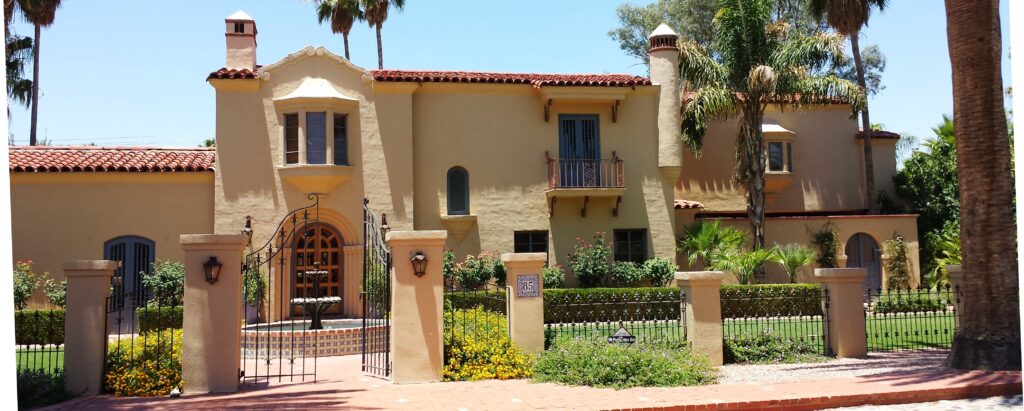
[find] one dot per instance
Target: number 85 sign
(528, 285)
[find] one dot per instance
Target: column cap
(840, 275)
(418, 236)
(89, 268)
(213, 241)
(524, 258)
(700, 277)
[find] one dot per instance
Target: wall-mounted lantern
(212, 269)
(419, 263)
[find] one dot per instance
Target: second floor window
(326, 136)
(291, 138)
(780, 156)
(458, 191)
(631, 245)
(316, 138)
(341, 139)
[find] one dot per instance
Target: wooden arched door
(321, 243)
(862, 251)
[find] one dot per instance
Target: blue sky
(119, 72)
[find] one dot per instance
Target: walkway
(341, 385)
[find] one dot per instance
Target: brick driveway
(342, 385)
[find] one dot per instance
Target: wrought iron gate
(376, 295)
(277, 341)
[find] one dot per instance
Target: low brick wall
(316, 343)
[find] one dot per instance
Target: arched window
(135, 255)
(458, 191)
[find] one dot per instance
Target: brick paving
(341, 385)
(1014, 402)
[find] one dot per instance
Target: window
(135, 256)
(291, 138)
(789, 156)
(316, 137)
(458, 191)
(775, 160)
(531, 241)
(239, 27)
(340, 139)
(631, 245)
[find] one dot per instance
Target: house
(503, 161)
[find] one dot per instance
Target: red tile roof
(882, 134)
(687, 204)
(537, 80)
(56, 159)
(227, 74)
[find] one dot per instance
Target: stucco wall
(828, 164)
(57, 217)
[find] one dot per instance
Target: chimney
(240, 33)
(664, 65)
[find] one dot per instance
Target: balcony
(585, 178)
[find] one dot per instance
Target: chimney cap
(239, 16)
(663, 30)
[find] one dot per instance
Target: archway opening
(321, 243)
(862, 251)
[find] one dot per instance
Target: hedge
(39, 327)
(160, 318)
(584, 305)
(910, 303)
(468, 300)
(771, 300)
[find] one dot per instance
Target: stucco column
(845, 331)
(884, 260)
(841, 260)
(211, 344)
(703, 311)
(417, 320)
(526, 299)
(85, 323)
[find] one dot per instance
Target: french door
(579, 146)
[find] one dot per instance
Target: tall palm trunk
(380, 50)
(869, 158)
(345, 36)
(754, 149)
(35, 89)
(988, 336)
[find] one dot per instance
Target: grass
(48, 360)
(561, 333)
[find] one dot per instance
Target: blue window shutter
(316, 138)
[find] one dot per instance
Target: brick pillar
(846, 332)
(703, 311)
(211, 345)
(526, 299)
(85, 323)
(417, 319)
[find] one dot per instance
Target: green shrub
(590, 262)
(477, 270)
(743, 264)
(477, 347)
(154, 318)
(626, 274)
(554, 277)
(827, 241)
(707, 239)
(39, 388)
(770, 300)
(375, 286)
(25, 282)
(466, 300)
(167, 282)
(911, 302)
(145, 366)
(792, 257)
(254, 287)
(448, 266)
(39, 327)
(56, 293)
(766, 348)
(647, 363)
(576, 304)
(897, 267)
(659, 271)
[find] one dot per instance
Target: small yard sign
(622, 337)
(528, 285)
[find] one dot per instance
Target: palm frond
(812, 52)
(698, 68)
(792, 257)
(814, 89)
(702, 108)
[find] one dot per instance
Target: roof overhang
(315, 91)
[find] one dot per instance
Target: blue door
(135, 255)
(579, 150)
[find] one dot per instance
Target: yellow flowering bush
(145, 366)
(477, 347)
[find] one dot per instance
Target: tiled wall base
(318, 343)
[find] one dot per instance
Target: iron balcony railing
(586, 173)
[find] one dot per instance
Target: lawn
(555, 333)
(35, 359)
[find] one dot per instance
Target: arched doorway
(321, 243)
(862, 251)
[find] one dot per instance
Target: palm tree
(743, 264)
(756, 63)
(989, 333)
(40, 13)
(342, 14)
(792, 257)
(19, 89)
(848, 17)
(376, 13)
(707, 239)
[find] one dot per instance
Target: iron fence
(586, 173)
(39, 340)
(143, 338)
(911, 319)
(376, 295)
(474, 313)
(644, 313)
(795, 317)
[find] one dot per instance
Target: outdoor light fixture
(419, 263)
(212, 269)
